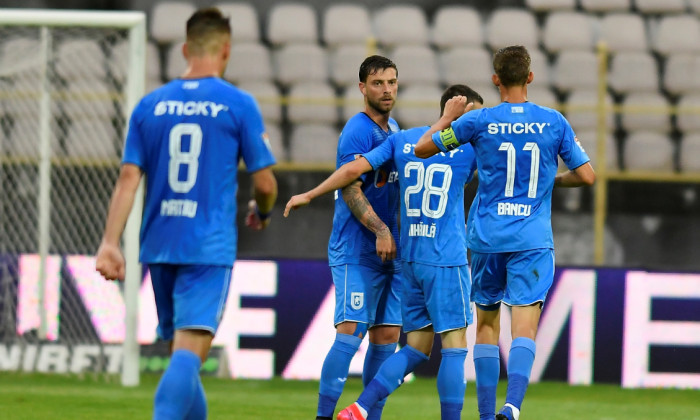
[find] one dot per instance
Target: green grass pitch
(36, 397)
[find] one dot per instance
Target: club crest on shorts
(357, 300)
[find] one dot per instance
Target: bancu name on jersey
(514, 209)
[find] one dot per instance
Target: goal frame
(135, 23)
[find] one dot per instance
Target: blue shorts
(516, 278)
(189, 297)
(367, 295)
(437, 296)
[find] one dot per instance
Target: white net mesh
(78, 75)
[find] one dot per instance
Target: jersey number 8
(179, 157)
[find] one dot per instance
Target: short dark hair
(203, 24)
(373, 64)
(459, 90)
(512, 65)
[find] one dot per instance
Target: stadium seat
(633, 71)
(467, 65)
(79, 59)
(19, 54)
(677, 34)
(645, 111)
(245, 26)
(539, 65)
(312, 102)
(20, 110)
(582, 113)
(550, 5)
(589, 142)
(23, 139)
(456, 26)
(688, 118)
(400, 24)
(606, 6)
(249, 61)
(292, 23)
(168, 19)
(648, 151)
(274, 134)
(353, 102)
(568, 31)
(542, 95)
(575, 70)
(489, 93)
(313, 143)
(510, 26)
(694, 6)
(120, 54)
(346, 23)
(85, 98)
(623, 32)
(688, 153)
(682, 73)
(268, 98)
(92, 138)
(300, 62)
(418, 105)
(345, 64)
(416, 64)
(581, 110)
(660, 6)
(175, 63)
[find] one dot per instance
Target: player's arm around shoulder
(454, 108)
(338, 179)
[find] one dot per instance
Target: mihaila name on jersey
(421, 229)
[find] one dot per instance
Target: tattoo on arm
(361, 209)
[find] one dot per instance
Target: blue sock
(487, 364)
(335, 372)
(390, 375)
(451, 383)
(376, 355)
(520, 360)
(177, 387)
(198, 410)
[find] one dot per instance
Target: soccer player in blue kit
(509, 229)
(361, 249)
(187, 137)
(436, 280)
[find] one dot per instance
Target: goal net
(68, 81)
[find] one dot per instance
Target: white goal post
(47, 98)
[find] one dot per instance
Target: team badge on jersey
(357, 300)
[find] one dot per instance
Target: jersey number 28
(424, 179)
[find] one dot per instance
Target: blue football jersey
(188, 137)
(516, 148)
(350, 241)
(432, 198)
